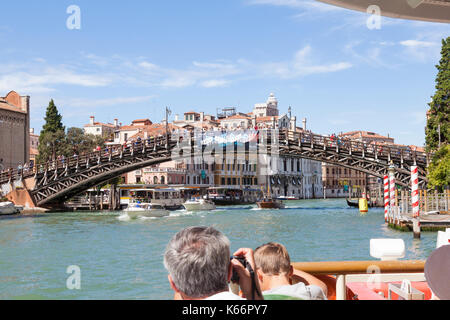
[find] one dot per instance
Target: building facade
(14, 130)
(106, 130)
(340, 182)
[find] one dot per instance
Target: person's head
(273, 265)
(198, 262)
(436, 272)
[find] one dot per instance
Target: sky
(129, 60)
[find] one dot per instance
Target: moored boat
(8, 208)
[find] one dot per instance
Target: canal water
(120, 259)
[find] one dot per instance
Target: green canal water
(124, 259)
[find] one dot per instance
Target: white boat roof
(158, 190)
(423, 10)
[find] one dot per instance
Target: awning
(424, 10)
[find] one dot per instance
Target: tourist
(2, 166)
(275, 274)
(436, 273)
(199, 266)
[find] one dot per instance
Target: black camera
(243, 261)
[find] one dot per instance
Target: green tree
(78, 142)
(437, 117)
(51, 145)
(53, 120)
(52, 135)
(438, 128)
(439, 170)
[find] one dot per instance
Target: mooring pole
(415, 201)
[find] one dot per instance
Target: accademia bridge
(58, 181)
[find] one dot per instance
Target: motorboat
(137, 209)
(226, 196)
(8, 208)
(168, 198)
(270, 203)
(199, 204)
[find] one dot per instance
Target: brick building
(14, 130)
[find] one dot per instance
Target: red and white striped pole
(415, 191)
(392, 191)
(386, 198)
(415, 201)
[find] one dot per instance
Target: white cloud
(92, 103)
(417, 43)
(420, 50)
(302, 64)
(40, 78)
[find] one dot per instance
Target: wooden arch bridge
(57, 181)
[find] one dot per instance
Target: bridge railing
(301, 138)
(394, 152)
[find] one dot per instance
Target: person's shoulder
(226, 295)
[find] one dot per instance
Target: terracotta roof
(154, 129)
(133, 127)
(6, 106)
(268, 118)
(140, 120)
(365, 134)
(100, 124)
(236, 116)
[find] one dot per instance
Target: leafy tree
(438, 128)
(52, 134)
(438, 114)
(51, 144)
(53, 120)
(77, 142)
(439, 170)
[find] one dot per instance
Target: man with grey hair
(199, 266)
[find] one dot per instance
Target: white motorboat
(8, 208)
(135, 210)
(199, 205)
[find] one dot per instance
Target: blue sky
(131, 59)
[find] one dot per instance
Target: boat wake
(124, 217)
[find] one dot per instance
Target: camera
(243, 261)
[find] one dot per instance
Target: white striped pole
(392, 192)
(386, 198)
(415, 201)
(415, 191)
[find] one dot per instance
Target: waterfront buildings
(34, 144)
(106, 130)
(290, 177)
(14, 130)
(343, 182)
